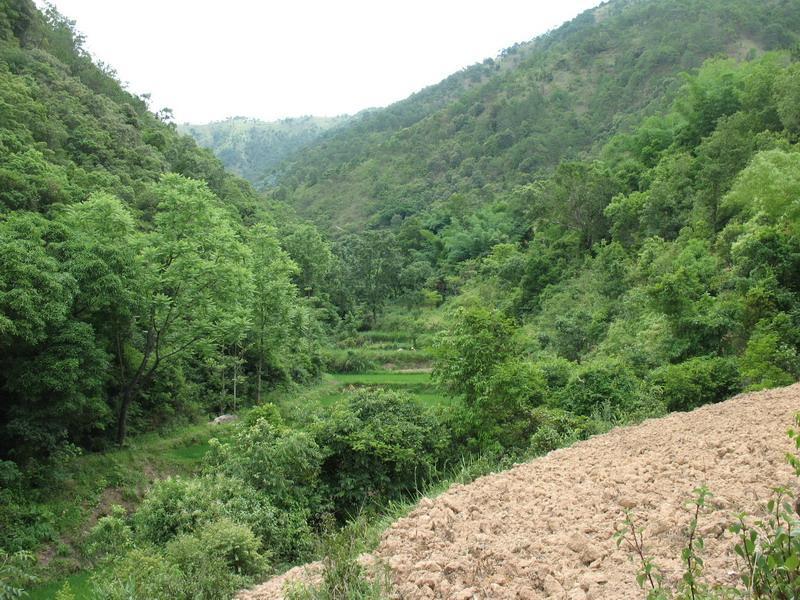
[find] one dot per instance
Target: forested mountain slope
(250, 147)
(506, 122)
(581, 234)
(138, 278)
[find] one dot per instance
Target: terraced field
(393, 361)
(416, 383)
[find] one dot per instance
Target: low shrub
(173, 506)
(178, 506)
(378, 445)
(556, 371)
(111, 536)
(141, 573)
(502, 413)
(342, 575)
(771, 358)
(602, 382)
(347, 361)
(212, 563)
(222, 542)
(16, 573)
(24, 523)
(695, 382)
(282, 464)
(268, 411)
(556, 428)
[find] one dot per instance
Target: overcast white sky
(267, 59)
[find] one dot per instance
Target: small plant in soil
(768, 550)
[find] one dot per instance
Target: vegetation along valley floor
(531, 331)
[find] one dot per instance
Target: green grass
(397, 337)
(335, 387)
(379, 357)
(383, 378)
(418, 384)
(79, 583)
(434, 399)
(190, 455)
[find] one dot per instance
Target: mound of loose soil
(545, 529)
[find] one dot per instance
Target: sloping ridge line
(545, 529)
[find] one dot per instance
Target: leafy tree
(602, 384)
(191, 285)
(769, 185)
(468, 351)
(281, 463)
(312, 253)
(274, 298)
(377, 445)
(771, 358)
(577, 196)
(36, 292)
(697, 381)
(788, 98)
(372, 262)
(53, 368)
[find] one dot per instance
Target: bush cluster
(264, 495)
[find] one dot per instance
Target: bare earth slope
(545, 529)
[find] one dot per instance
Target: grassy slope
(401, 354)
(92, 483)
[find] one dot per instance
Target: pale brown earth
(545, 529)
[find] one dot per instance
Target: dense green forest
(139, 278)
(251, 148)
(597, 227)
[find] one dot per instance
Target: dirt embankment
(545, 529)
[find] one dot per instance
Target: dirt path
(545, 529)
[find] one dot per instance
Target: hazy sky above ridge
(212, 60)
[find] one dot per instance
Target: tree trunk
(259, 369)
(235, 377)
(122, 418)
(222, 397)
(258, 386)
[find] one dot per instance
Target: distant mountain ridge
(252, 147)
(508, 121)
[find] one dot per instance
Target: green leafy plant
(648, 577)
(692, 552)
(770, 547)
(343, 576)
(15, 573)
(111, 536)
(378, 445)
(223, 542)
(769, 550)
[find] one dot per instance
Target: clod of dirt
(545, 529)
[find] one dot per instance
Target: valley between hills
(531, 332)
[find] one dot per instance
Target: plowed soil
(545, 529)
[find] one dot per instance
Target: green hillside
(250, 148)
(598, 227)
(133, 267)
(505, 122)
